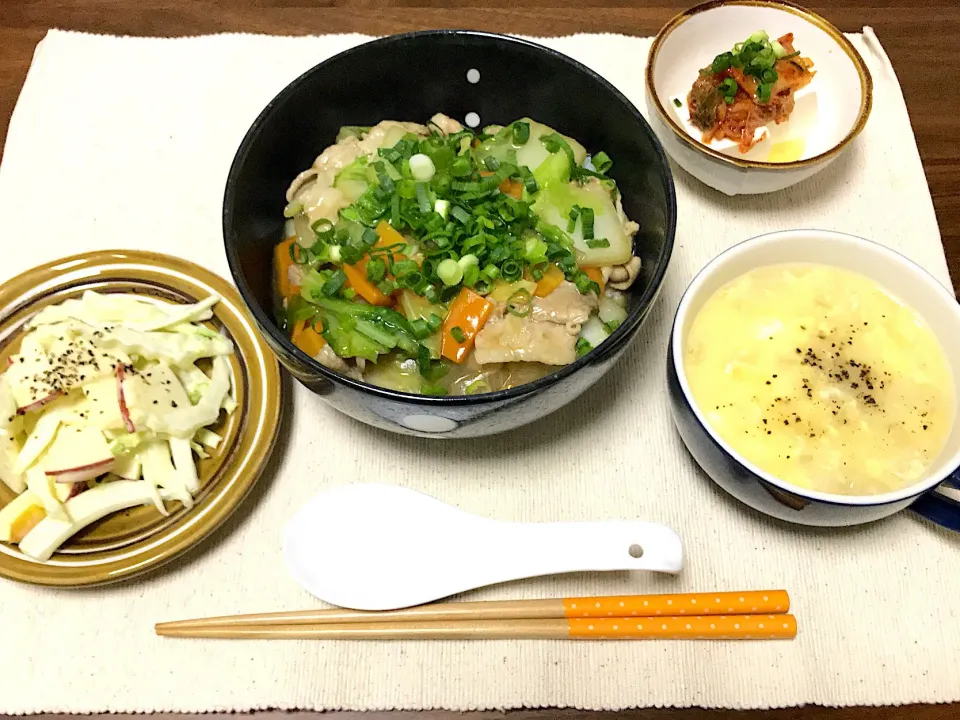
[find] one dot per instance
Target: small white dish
(383, 547)
(829, 113)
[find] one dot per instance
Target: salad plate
(134, 540)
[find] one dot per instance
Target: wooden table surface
(915, 34)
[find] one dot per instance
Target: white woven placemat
(126, 143)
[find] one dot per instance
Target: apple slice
(128, 466)
(37, 404)
(77, 454)
(122, 399)
(84, 473)
(38, 440)
(76, 489)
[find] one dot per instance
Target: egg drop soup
(820, 377)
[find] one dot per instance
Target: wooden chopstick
(678, 627)
(758, 602)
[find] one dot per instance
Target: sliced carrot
(308, 338)
(388, 235)
(513, 188)
(596, 275)
(357, 273)
(281, 265)
(357, 279)
(550, 281)
(469, 312)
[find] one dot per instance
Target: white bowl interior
(898, 275)
(826, 110)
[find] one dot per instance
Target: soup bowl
(833, 110)
(770, 494)
(479, 79)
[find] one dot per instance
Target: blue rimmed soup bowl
(935, 495)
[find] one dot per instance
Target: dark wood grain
(914, 33)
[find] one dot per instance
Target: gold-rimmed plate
(140, 539)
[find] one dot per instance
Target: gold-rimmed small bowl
(833, 110)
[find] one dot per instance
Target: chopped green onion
(521, 132)
(292, 209)
(422, 168)
(677, 103)
(336, 282)
(369, 237)
(586, 222)
(336, 255)
(395, 210)
(434, 322)
(511, 270)
(471, 274)
(349, 293)
(449, 272)
(584, 284)
(728, 88)
(795, 53)
(763, 92)
(468, 260)
(598, 243)
(461, 167)
(721, 62)
(530, 184)
(769, 75)
(491, 163)
(457, 334)
(350, 255)
(574, 215)
(476, 387)
(460, 214)
(323, 229)
(387, 287)
(602, 162)
(423, 199)
(520, 303)
(442, 208)
(583, 347)
(420, 329)
(376, 270)
(491, 271)
(405, 267)
(413, 280)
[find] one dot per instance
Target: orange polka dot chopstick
(722, 603)
(747, 615)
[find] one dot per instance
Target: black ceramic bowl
(411, 77)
